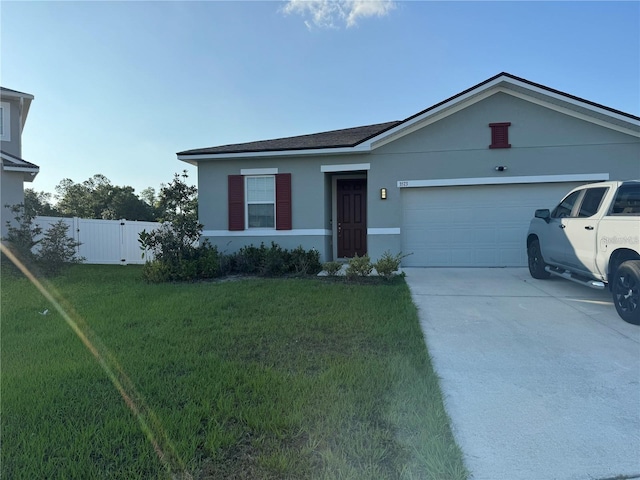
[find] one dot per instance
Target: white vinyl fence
(105, 241)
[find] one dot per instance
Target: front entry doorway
(352, 217)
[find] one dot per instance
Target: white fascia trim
(383, 231)
(566, 99)
(21, 169)
(278, 153)
(489, 89)
(455, 182)
(258, 171)
(264, 232)
(578, 115)
(13, 159)
(6, 94)
(349, 167)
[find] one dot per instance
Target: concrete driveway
(541, 378)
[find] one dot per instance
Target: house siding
(11, 183)
(544, 142)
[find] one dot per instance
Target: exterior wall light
(383, 193)
(501, 168)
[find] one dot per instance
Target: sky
(120, 87)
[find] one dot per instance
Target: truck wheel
(625, 288)
(536, 262)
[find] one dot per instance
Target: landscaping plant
(50, 252)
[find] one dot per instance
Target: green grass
(243, 379)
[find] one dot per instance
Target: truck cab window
(627, 200)
(591, 202)
(566, 206)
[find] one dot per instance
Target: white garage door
(472, 226)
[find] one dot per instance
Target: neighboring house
(14, 108)
(453, 185)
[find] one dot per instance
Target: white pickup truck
(592, 237)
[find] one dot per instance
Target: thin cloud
(335, 13)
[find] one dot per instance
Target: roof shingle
(348, 137)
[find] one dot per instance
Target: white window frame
(247, 203)
(5, 121)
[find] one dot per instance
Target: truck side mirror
(544, 214)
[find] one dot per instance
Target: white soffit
(258, 171)
(350, 167)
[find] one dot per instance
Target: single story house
(14, 108)
(453, 185)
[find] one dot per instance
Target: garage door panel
(482, 225)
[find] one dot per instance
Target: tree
(97, 197)
(39, 203)
(175, 243)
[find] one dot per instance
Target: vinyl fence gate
(106, 242)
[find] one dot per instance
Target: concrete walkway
(541, 378)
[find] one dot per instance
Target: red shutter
(236, 202)
(283, 201)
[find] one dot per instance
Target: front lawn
(242, 379)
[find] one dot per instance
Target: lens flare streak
(156, 435)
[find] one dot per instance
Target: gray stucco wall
(11, 183)
(12, 193)
(544, 142)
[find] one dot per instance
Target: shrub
(249, 259)
(22, 233)
(303, 262)
(57, 249)
(332, 268)
(155, 271)
(208, 261)
(387, 264)
(275, 262)
(359, 266)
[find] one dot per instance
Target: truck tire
(625, 289)
(536, 262)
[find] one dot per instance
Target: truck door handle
(588, 227)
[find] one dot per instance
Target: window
(5, 121)
(259, 201)
(566, 206)
(591, 201)
(627, 200)
(500, 135)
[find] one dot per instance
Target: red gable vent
(500, 135)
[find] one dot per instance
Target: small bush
(249, 259)
(332, 268)
(387, 264)
(208, 261)
(303, 262)
(57, 250)
(156, 271)
(275, 262)
(359, 267)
